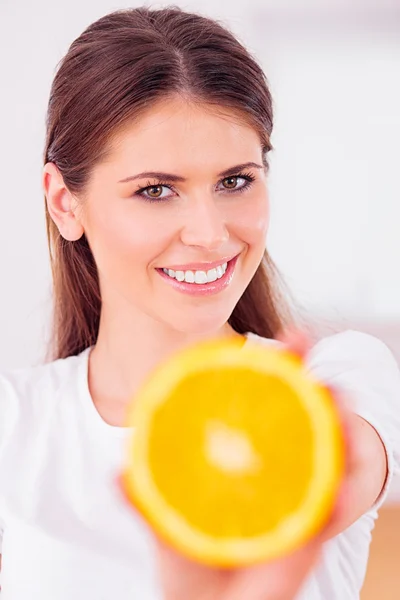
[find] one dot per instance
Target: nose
(204, 224)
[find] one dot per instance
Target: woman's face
(204, 209)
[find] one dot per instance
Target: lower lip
(203, 289)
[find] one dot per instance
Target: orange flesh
(212, 457)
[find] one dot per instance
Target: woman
(155, 164)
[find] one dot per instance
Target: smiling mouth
(197, 276)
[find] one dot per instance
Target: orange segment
(237, 453)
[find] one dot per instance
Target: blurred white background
(334, 72)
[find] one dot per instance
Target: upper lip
(204, 266)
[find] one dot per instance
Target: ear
(61, 204)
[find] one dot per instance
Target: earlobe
(61, 203)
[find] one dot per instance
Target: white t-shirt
(68, 534)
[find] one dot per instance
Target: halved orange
(237, 452)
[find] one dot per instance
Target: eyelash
(249, 177)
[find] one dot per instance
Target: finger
(296, 340)
(283, 575)
(182, 577)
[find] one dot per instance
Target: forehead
(177, 131)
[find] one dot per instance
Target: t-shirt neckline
(87, 400)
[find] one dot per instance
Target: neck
(126, 353)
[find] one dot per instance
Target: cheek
(251, 219)
(124, 237)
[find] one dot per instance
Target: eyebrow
(171, 177)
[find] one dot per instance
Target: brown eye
(230, 182)
(155, 191)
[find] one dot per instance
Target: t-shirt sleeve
(1, 536)
(364, 366)
(3, 430)
(8, 418)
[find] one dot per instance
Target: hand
(184, 579)
(181, 578)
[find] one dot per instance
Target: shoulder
(352, 345)
(343, 350)
(356, 360)
(23, 382)
(27, 393)
(360, 363)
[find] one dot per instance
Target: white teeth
(199, 277)
(189, 276)
(211, 275)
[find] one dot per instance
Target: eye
(230, 183)
(154, 192)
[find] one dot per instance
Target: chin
(202, 322)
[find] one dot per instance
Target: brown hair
(114, 70)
